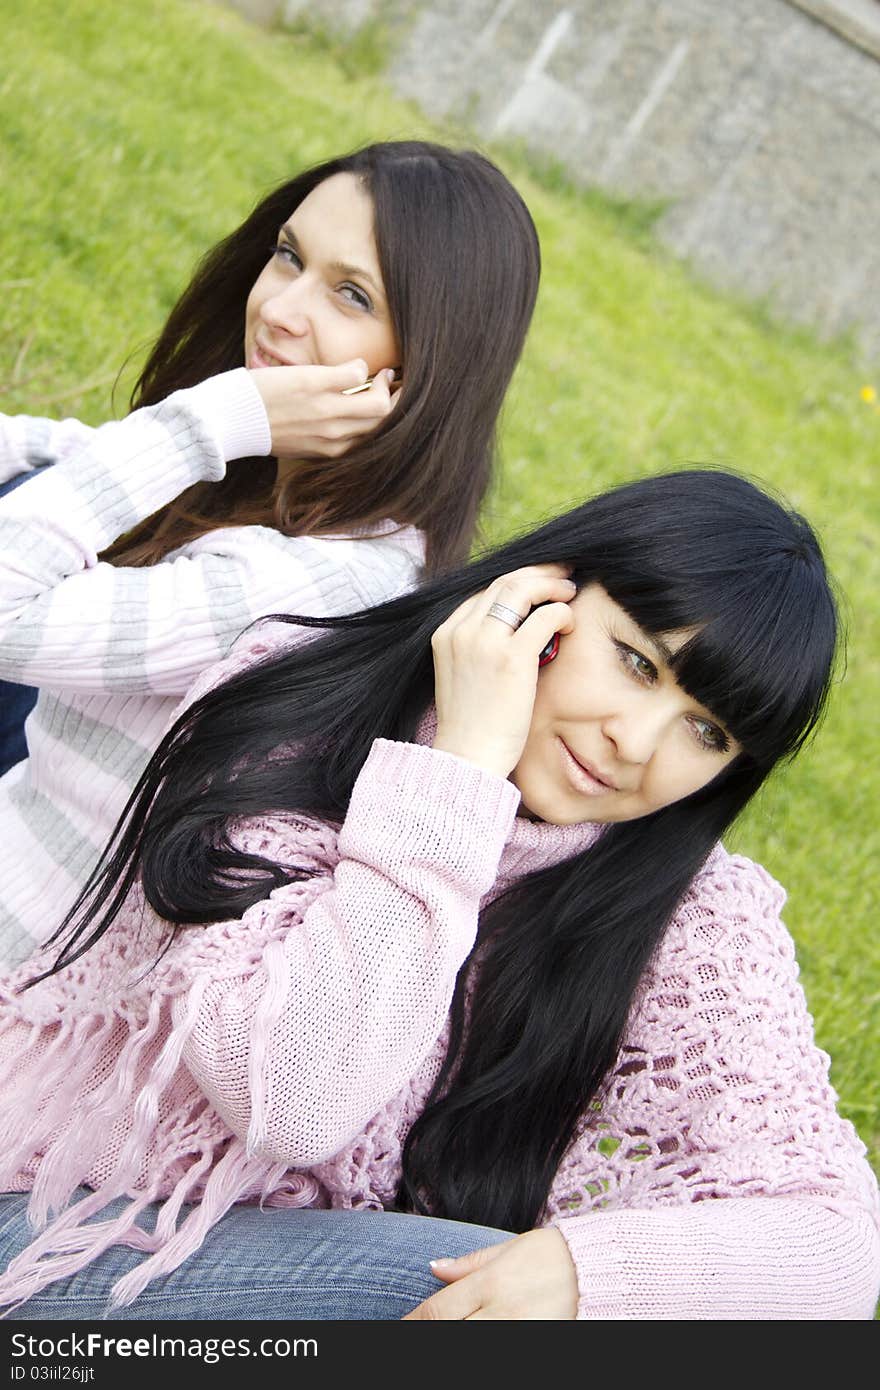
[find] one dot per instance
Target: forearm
(123, 472)
(761, 1258)
(351, 995)
(60, 611)
(29, 443)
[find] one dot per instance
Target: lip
(261, 357)
(585, 777)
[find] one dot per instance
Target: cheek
(252, 309)
(260, 292)
(392, 349)
(365, 339)
(568, 686)
(546, 698)
(687, 773)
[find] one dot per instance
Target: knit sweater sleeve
(340, 1010)
(29, 443)
(69, 622)
(722, 1181)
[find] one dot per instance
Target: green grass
(133, 135)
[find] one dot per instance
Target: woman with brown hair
(346, 352)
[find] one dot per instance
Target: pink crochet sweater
(285, 1055)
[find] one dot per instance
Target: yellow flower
(868, 395)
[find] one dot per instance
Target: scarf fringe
(59, 1250)
(268, 1011)
(29, 1123)
(231, 1179)
(56, 1180)
(57, 1116)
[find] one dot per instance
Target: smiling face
(321, 299)
(613, 735)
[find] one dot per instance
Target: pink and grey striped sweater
(114, 649)
(285, 1055)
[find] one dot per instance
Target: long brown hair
(460, 260)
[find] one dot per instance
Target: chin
(582, 817)
(552, 814)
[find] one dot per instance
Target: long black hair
(560, 955)
(461, 262)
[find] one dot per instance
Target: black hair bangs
(761, 648)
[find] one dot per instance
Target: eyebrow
(356, 272)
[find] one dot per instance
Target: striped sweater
(113, 649)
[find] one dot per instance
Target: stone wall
(755, 122)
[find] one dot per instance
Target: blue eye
(283, 251)
(636, 664)
(356, 297)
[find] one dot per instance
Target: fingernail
(436, 1264)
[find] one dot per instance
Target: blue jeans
(274, 1264)
(16, 701)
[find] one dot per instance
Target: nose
(287, 311)
(635, 730)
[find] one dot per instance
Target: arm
(724, 1182)
(758, 1258)
(68, 622)
(29, 443)
(353, 988)
(752, 1258)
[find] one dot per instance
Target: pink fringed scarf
(93, 1093)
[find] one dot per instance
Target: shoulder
(404, 546)
(724, 982)
(726, 939)
(732, 898)
(264, 640)
(329, 574)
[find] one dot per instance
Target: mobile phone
(365, 385)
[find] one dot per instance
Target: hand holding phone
(486, 660)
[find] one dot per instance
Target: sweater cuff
(426, 801)
(234, 407)
(765, 1257)
(422, 771)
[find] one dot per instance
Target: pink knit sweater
(285, 1055)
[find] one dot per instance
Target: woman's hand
(309, 415)
(486, 672)
(531, 1277)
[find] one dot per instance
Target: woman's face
(321, 300)
(613, 736)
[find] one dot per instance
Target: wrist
(482, 755)
(233, 406)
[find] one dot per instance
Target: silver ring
(505, 615)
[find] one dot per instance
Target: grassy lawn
(133, 135)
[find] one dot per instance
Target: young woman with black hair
(259, 471)
(423, 928)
